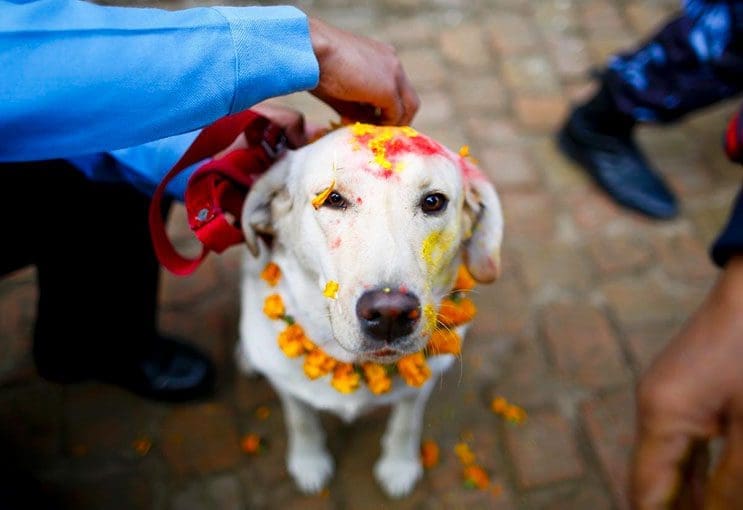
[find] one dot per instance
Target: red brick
(200, 439)
(531, 211)
(509, 168)
(684, 258)
(583, 346)
(543, 450)
(540, 113)
(619, 254)
(610, 425)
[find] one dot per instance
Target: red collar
(219, 186)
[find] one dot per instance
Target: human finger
(725, 488)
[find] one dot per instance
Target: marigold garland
(346, 377)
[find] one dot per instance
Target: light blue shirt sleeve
(79, 79)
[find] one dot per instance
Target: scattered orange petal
(263, 412)
(464, 453)
(429, 454)
(142, 446)
(475, 476)
(251, 444)
(319, 199)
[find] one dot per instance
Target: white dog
(369, 226)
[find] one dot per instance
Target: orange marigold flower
(345, 378)
(476, 477)
(455, 313)
(273, 306)
(376, 378)
(464, 280)
(414, 369)
(499, 405)
(318, 364)
(464, 453)
(515, 414)
(444, 341)
(291, 341)
(251, 443)
(271, 274)
(429, 454)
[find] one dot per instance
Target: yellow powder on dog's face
(435, 246)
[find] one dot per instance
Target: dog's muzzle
(388, 315)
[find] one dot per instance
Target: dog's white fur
(380, 239)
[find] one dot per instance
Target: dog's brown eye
(434, 203)
(335, 200)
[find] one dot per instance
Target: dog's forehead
(385, 153)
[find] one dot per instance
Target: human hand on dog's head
(360, 78)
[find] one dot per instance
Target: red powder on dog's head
(389, 144)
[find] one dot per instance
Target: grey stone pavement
(589, 295)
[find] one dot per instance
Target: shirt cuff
(730, 240)
(274, 54)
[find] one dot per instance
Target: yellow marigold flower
(271, 274)
(429, 454)
(376, 378)
(273, 306)
(465, 455)
(464, 281)
(464, 151)
(291, 341)
(251, 443)
(445, 341)
(320, 197)
(476, 477)
(345, 378)
(455, 313)
(414, 369)
(331, 289)
(318, 364)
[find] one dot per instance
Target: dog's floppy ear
(257, 216)
(482, 248)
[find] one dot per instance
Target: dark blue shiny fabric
(693, 61)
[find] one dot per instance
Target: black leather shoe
(166, 370)
(618, 165)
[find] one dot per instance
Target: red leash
(219, 186)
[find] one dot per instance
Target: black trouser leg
(97, 273)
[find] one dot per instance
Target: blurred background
(589, 294)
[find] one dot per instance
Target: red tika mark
(420, 145)
(335, 243)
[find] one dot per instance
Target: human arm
(693, 392)
(81, 78)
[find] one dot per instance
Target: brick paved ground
(589, 295)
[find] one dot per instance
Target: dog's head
(388, 214)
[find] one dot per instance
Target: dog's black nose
(388, 314)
